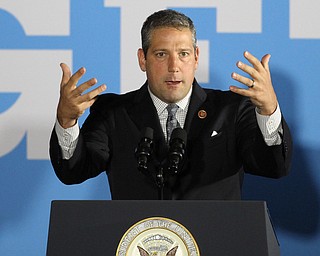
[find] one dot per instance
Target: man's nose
(173, 64)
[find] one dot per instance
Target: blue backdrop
(103, 36)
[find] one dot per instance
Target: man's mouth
(169, 82)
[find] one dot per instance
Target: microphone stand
(160, 182)
(176, 155)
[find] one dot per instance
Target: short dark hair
(162, 19)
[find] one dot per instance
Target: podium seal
(157, 236)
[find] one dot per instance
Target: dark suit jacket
(213, 166)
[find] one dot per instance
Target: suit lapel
(194, 123)
(144, 114)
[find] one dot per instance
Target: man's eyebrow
(160, 50)
(185, 49)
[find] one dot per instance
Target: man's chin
(173, 98)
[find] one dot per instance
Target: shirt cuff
(270, 127)
(67, 139)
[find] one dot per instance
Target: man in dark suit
(228, 133)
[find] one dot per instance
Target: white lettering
(304, 19)
(36, 75)
(203, 71)
(38, 17)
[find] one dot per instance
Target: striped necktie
(172, 121)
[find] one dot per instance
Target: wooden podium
(222, 228)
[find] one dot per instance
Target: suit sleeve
(259, 158)
(91, 154)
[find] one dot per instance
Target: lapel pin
(202, 114)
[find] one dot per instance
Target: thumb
(265, 61)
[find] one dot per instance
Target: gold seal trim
(157, 236)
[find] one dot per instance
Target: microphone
(177, 150)
(144, 149)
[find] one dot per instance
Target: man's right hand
(72, 102)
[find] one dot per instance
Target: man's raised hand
(73, 101)
(259, 87)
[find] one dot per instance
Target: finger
(94, 93)
(66, 74)
(252, 59)
(85, 86)
(247, 69)
(88, 104)
(243, 92)
(265, 61)
(244, 80)
(74, 79)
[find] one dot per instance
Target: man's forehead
(164, 34)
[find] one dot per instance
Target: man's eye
(184, 54)
(160, 54)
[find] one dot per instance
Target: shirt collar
(161, 105)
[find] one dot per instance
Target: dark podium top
(219, 227)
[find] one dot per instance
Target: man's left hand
(260, 89)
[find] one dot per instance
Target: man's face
(170, 63)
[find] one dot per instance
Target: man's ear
(142, 60)
(196, 54)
